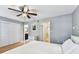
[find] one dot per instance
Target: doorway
(46, 31)
(26, 31)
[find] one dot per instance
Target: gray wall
(76, 21)
(60, 28)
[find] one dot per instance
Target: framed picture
(34, 27)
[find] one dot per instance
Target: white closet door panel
(20, 32)
(4, 34)
(12, 33)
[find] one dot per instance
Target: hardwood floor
(8, 47)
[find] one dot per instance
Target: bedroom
(59, 36)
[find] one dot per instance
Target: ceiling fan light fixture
(24, 15)
(24, 11)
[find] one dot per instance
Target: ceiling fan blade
(19, 15)
(14, 9)
(28, 16)
(23, 8)
(32, 14)
(28, 10)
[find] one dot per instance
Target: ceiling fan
(24, 10)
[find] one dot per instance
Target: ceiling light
(25, 8)
(24, 15)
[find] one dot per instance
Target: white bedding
(68, 46)
(36, 47)
(75, 50)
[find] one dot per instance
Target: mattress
(36, 47)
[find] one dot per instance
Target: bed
(37, 47)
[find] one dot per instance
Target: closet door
(10, 33)
(15, 32)
(4, 32)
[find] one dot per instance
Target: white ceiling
(44, 11)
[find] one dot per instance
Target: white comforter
(36, 47)
(75, 50)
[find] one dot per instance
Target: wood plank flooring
(8, 47)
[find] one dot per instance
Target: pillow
(68, 46)
(75, 39)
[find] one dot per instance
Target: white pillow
(68, 46)
(75, 39)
